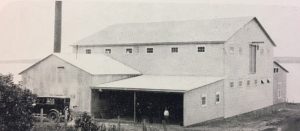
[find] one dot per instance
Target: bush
(85, 123)
(15, 106)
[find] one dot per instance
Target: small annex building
(280, 83)
(199, 70)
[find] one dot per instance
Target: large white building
(199, 70)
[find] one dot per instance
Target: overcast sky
(27, 27)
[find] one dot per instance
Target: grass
(286, 117)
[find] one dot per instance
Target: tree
(15, 106)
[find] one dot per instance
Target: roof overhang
(149, 43)
(156, 83)
(276, 63)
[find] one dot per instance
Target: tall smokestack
(57, 27)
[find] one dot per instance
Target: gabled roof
(96, 64)
(276, 63)
(203, 31)
(159, 83)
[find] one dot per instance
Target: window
(174, 49)
(60, 67)
(240, 83)
(268, 81)
(149, 50)
(201, 49)
(107, 51)
(50, 101)
(262, 82)
(276, 70)
(231, 84)
(88, 51)
(217, 97)
(252, 59)
(248, 82)
(203, 100)
(128, 50)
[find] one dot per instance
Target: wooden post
(119, 125)
(164, 125)
(42, 115)
(66, 117)
(134, 106)
(144, 125)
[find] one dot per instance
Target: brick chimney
(57, 27)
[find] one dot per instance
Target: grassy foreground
(285, 118)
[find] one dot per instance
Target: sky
(27, 26)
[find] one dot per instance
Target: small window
(201, 49)
(240, 83)
(174, 49)
(248, 82)
(231, 84)
(128, 50)
(268, 81)
(107, 51)
(88, 51)
(203, 100)
(276, 70)
(60, 67)
(217, 97)
(149, 50)
(262, 82)
(50, 101)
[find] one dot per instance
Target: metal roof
(210, 31)
(96, 64)
(159, 83)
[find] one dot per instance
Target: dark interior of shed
(109, 104)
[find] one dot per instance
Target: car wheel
(53, 116)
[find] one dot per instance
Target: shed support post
(134, 106)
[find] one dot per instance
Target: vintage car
(53, 106)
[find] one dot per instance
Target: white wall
(242, 99)
(45, 79)
(194, 112)
(162, 62)
(293, 83)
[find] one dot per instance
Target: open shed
(145, 97)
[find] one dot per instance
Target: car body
(53, 106)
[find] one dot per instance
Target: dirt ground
(282, 119)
